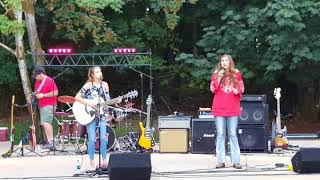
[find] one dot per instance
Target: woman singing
(227, 86)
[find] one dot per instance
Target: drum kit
(72, 136)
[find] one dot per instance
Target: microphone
(223, 71)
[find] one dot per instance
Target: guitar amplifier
(203, 136)
(174, 122)
(173, 140)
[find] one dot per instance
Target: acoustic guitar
(85, 114)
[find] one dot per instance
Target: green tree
(269, 40)
(11, 24)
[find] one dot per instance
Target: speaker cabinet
(262, 98)
(203, 136)
(133, 166)
(254, 110)
(306, 160)
(252, 138)
(173, 140)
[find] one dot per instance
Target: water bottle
(77, 168)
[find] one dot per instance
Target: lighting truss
(95, 59)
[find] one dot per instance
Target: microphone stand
(141, 84)
(53, 109)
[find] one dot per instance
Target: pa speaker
(203, 136)
(133, 166)
(306, 160)
(254, 110)
(252, 138)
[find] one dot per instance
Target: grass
(21, 127)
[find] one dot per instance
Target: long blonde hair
(91, 72)
(232, 70)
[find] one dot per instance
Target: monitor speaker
(306, 160)
(133, 166)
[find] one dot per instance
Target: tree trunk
(25, 80)
(34, 42)
(21, 57)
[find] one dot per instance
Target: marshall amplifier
(203, 136)
(174, 122)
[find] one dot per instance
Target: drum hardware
(70, 133)
(128, 142)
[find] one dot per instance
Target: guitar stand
(22, 147)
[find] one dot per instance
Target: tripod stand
(29, 135)
(22, 146)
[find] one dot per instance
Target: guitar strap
(41, 85)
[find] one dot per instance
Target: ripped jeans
(91, 129)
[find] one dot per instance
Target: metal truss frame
(130, 61)
(95, 59)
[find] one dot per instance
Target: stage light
(124, 50)
(60, 51)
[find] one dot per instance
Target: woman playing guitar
(94, 92)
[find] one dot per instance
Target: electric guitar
(8, 154)
(280, 139)
(84, 114)
(33, 140)
(146, 134)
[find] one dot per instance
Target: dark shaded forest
(274, 44)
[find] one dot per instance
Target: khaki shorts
(46, 114)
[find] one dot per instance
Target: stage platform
(165, 166)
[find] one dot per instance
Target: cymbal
(133, 110)
(66, 99)
(57, 113)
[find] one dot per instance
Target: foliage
(116, 5)
(9, 27)
(9, 74)
(265, 40)
(171, 9)
(83, 20)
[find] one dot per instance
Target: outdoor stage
(165, 166)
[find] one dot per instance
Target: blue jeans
(91, 129)
(230, 123)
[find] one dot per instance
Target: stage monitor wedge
(133, 166)
(306, 160)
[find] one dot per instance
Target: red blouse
(226, 102)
